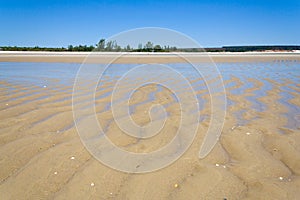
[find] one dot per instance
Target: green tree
(140, 46)
(115, 45)
(109, 46)
(101, 45)
(128, 48)
(149, 46)
(157, 48)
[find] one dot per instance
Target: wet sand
(257, 156)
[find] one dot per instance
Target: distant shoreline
(145, 57)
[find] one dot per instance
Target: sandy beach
(134, 57)
(256, 157)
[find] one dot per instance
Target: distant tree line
(80, 48)
(112, 46)
(260, 48)
(242, 49)
(102, 45)
(37, 48)
(148, 47)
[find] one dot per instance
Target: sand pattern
(257, 156)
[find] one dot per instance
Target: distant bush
(112, 46)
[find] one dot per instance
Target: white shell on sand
(72, 158)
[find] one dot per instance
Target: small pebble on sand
(55, 173)
(92, 184)
(281, 178)
(72, 158)
(176, 185)
(217, 165)
(248, 133)
(224, 166)
(6, 104)
(110, 193)
(44, 86)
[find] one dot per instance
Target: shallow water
(58, 76)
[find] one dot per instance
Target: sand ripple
(257, 157)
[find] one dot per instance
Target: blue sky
(210, 22)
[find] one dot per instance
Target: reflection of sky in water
(38, 73)
(63, 72)
(56, 74)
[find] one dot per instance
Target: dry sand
(104, 57)
(42, 157)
